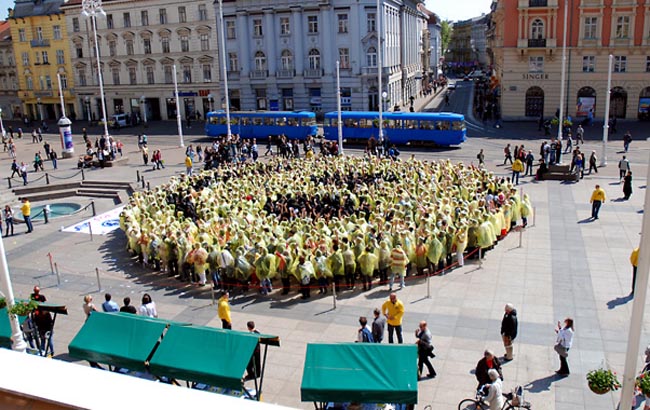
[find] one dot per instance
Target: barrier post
(47, 179)
(90, 229)
(212, 295)
(480, 258)
(83, 176)
(92, 205)
(9, 182)
(428, 286)
(49, 256)
(137, 175)
(148, 186)
(58, 277)
(334, 294)
(46, 214)
(521, 234)
(142, 180)
(99, 284)
(534, 215)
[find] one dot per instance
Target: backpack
(366, 335)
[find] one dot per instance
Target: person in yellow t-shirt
(597, 199)
(517, 169)
(393, 309)
(634, 260)
(188, 165)
(223, 310)
(26, 209)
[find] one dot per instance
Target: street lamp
(143, 102)
(2, 127)
(179, 124)
(211, 101)
(87, 101)
(90, 8)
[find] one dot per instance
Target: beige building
(140, 42)
(9, 101)
(525, 41)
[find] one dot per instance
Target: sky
(453, 10)
(4, 5)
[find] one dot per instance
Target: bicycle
(512, 401)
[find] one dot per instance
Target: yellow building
(41, 49)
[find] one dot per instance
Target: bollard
(480, 258)
(92, 205)
(334, 294)
(142, 180)
(137, 175)
(9, 182)
(428, 286)
(83, 176)
(49, 256)
(521, 234)
(58, 277)
(534, 215)
(148, 186)
(47, 179)
(212, 295)
(90, 229)
(99, 284)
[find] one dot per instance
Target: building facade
(40, 45)
(281, 55)
(527, 61)
(433, 46)
(9, 101)
(140, 42)
(478, 41)
(468, 45)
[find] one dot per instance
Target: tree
(445, 34)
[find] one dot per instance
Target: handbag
(561, 350)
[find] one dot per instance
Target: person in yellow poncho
(398, 263)
(367, 263)
(306, 269)
(634, 260)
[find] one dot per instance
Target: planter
(599, 390)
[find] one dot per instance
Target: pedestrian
(627, 139)
(495, 393)
(54, 157)
(517, 168)
(199, 152)
(623, 168)
(188, 121)
(26, 210)
(254, 367)
(580, 134)
(398, 263)
(634, 260)
(563, 344)
(109, 305)
(15, 169)
(530, 159)
(9, 220)
(119, 145)
(393, 309)
(627, 185)
(481, 158)
(34, 136)
(254, 150)
(593, 160)
(145, 155)
(37, 295)
(188, 165)
(23, 172)
(509, 327)
(88, 306)
(507, 155)
(364, 334)
(378, 326)
(569, 143)
(425, 350)
(597, 199)
(128, 308)
(223, 310)
(488, 362)
(148, 307)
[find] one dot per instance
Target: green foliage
(3, 303)
(643, 383)
(601, 381)
(23, 308)
(445, 34)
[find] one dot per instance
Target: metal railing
(286, 74)
(537, 3)
(313, 73)
(536, 42)
(46, 176)
(259, 74)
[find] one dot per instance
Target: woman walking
(627, 185)
(9, 220)
(563, 344)
(148, 307)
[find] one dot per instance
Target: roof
(5, 30)
(28, 8)
(360, 372)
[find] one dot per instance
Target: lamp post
(379, 70)
(563, 76)
(5, 287)
(143, 102)
(338, 105)
(603, 156)
(211, 101)
(40, 108)
(179, 124)
(2, 127)
(224, 68)
(90, 8)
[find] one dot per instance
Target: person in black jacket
(509, 326)
(489, 361)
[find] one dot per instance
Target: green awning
(5, 328)
(118, 340)
(361, 373)
(216, 357)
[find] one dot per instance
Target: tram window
(257, 121)
(457, 125)
(292, 122)
(365, 123)
(214, 120)
(426, 125)
(282, 121)
(222, 120)
(245, 121)
(350, 123)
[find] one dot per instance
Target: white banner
(101, 224)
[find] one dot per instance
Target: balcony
(536, 42)
(537, 3)
(369, 71)
(285, 74)
(313, 73)
(259, 74)
(40, 43)
(233, 74)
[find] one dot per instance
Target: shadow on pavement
(541, 385)
(586, 221)
(621, 300)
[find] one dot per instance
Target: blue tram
(262, 124)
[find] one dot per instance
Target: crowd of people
(340, 219)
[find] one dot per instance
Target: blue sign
(274, 105)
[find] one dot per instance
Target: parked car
(451, 85)
(118, 121)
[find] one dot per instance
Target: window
(109, 21)
(536, 64)
(622, 26)
(37, 59)
(591, 25)
(260, 61)
(46, 59)
(39, 33)
(203, 12)
(588, 64)
(312, 24)
(144, 17)
(371, 57)
(79, 51)
(133, 77)
(60, 57)
(182, 15)
(129, 47)
(56, 32)
(647, 64)
(165, 44)
(185, 44)
(620, 64)
(372, 22)
(285, 28)
(343, 23)
(116, 75)
(169, 74)
(30, 83)
(25, 58)
(187, 74)
(10, 60)
(150, 75)
(233, 62)
(207, 73)
(162, 13)
(112, 46)
(48, 82)
(314, 59)
(81, 73)
(257, 28)
(205, 43)
(286, 60)
(344, 58)
(127, 19)
(537, 30)
(64, 81)
(147, 45)
(75, 26)
(21, 34)
(231, 32)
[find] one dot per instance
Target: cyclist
(487, 363)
